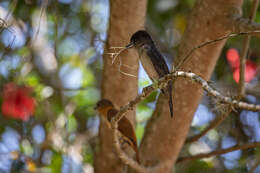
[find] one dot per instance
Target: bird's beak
(130, 45)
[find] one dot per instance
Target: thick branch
(194, 78)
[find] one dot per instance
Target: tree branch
(253, 168)
(219, 152)
(241, 24)
(160, 84)
(212, 125)
(186, 57)
(241, 92)
(245, 51)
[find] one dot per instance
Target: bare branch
(245, 51)
(195, 78)
(186, 57)
(245, 25)
(219, 152)
(212, 125)
(253, 168)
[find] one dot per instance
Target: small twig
(212, 125)
(253, 168)
(43, 7)
(114, 55)
(243, 57)
(219, 152)
(186, 57)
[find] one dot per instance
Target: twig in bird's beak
(130, 45)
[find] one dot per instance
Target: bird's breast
(148, 65)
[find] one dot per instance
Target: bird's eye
(145, 46)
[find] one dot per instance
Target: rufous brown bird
(127, 136)
(152, 60)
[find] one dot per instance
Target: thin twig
(186, 57)
(243, 57)
(253, 168)
(114, 55)
(219, 152)
(212, 125)
(43, 8)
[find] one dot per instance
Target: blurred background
(50, 75)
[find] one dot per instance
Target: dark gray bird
(152, 60)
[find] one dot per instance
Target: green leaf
(56, 162)
(72, 124)
(139, 132)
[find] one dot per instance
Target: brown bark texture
(126, 17)
(165, 136)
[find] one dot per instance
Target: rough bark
(126, 17)
(164, 137)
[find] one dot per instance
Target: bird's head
(103, 106)
(139, 39)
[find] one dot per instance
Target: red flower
(17, 102)
(233, 60)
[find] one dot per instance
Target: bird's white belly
(149, 67)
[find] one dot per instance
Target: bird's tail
(170, 97)
(136, 152)
(137, 157)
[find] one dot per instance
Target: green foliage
(88, 156)
(71, 124)
(198, 166)
(56, 162)
(139, 132)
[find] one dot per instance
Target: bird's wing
(126, 128)
(158, 61)
(111, 113)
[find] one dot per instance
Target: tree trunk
(165, 136)
(126, 17)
